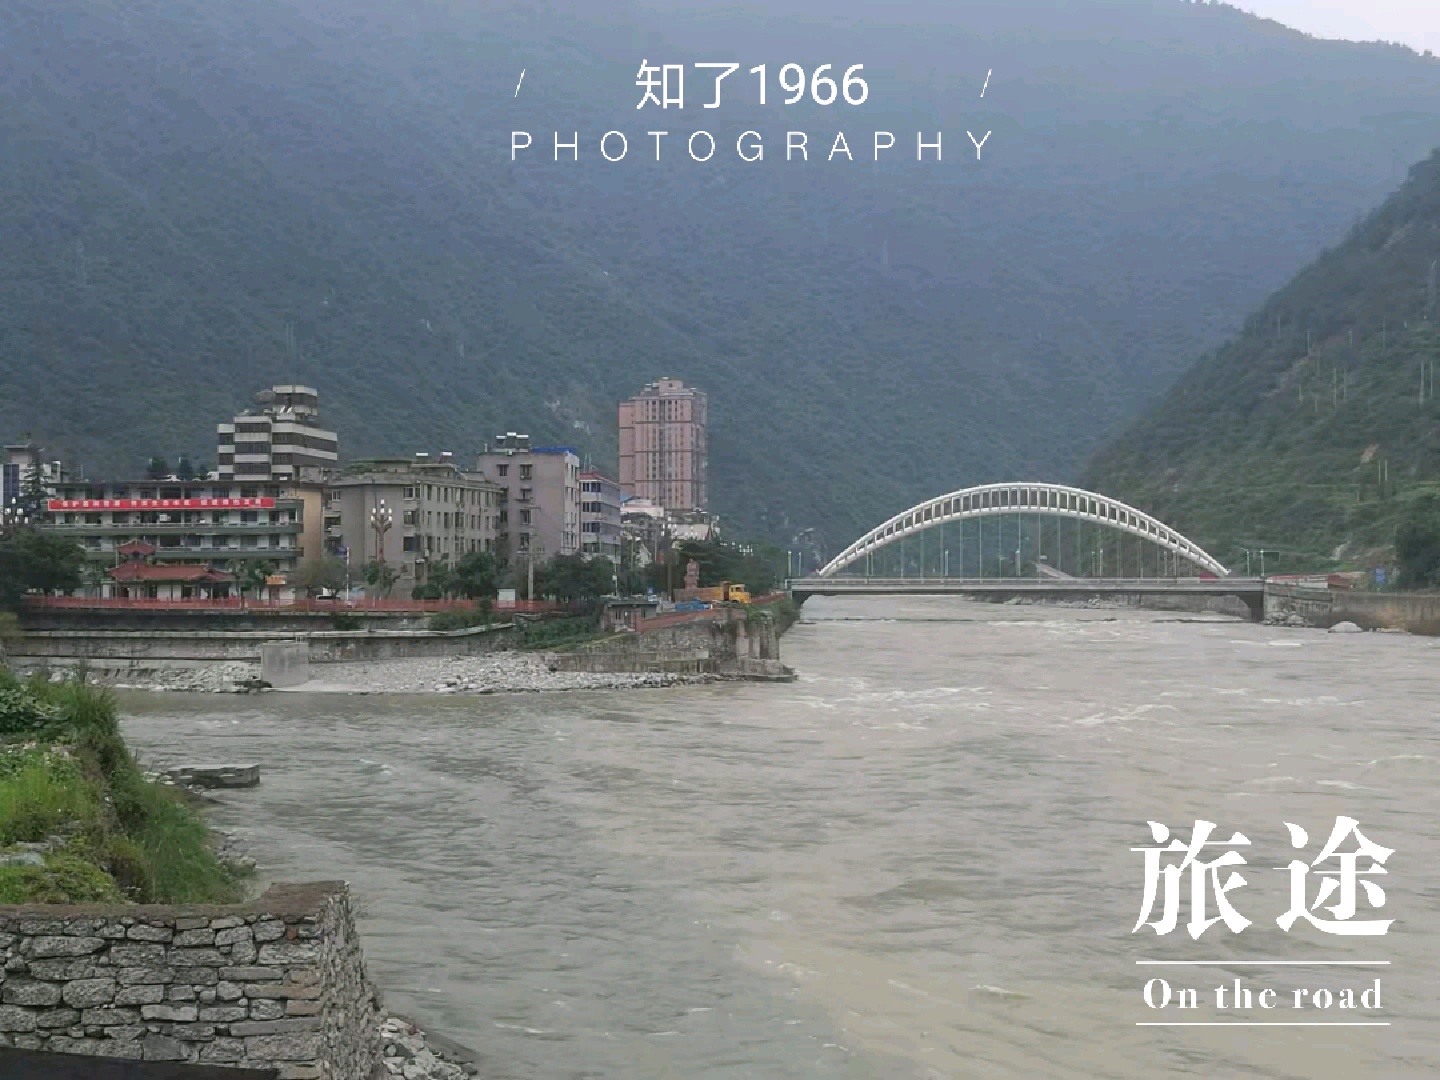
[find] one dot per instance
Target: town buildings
(542, 487)
(411, 513)
(600, 526)
(278, 498)
(664, 447)
(280, 441)
(200, 524)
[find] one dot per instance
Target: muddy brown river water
(915, 862)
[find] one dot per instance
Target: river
(914, 862)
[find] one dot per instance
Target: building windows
(409, 517)
(526, 471)
(524, 517)
(502, 470)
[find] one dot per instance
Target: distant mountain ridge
(190, 186)
(1313, 429)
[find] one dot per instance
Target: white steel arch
(1025, 498)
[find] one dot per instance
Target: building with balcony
(280, 440)
(600, 531)
(542, 486)
(664, 446)
(215, 525)
(410, 513)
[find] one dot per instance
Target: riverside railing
(265, 604)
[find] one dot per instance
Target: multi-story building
(542, 486)
(280, 441)
(196, 524)
(646, 533)
(600, 530)
(410, 513)
(23, 465)
(664, 449)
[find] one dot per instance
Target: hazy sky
(1414, 22)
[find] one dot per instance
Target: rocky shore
(408, 1053)
(492, 673)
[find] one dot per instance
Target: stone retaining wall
(277, 983)
(1419, 613)
(724, 643)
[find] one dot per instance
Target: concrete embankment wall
(137, 650)
(1419, 613)
(265, 620)
(726, 644)
(1220, 605)
(278, 983)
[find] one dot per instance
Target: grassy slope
(66, 777)
(1282, 437)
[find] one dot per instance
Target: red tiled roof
(136, 547)
(172, 572)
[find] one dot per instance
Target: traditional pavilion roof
(138, 571)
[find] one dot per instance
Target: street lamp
(381, 518)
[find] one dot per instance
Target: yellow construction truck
(725, 592)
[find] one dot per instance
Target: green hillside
(188, 187)
(1319, 425)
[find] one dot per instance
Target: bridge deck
(861, 586)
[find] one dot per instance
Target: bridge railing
(960, 583)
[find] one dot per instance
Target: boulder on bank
(408, 1053)
(1346, 628)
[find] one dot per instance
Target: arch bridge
(1207, 576)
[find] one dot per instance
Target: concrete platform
(214, 776)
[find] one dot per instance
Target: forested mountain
(1318, 426)
(189, 187)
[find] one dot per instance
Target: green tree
(183, 469)
(252, 578)
(756, 569)
(380, 577)
(313, 575)
(575, 578)
(1417, 545)
(33, 495)
(158, 469)
(32, 560)
(476, 576)
(438, 584)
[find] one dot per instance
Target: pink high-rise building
(664, 452)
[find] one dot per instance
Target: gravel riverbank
(492, 673)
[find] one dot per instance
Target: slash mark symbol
(522, 79)
(982, 89)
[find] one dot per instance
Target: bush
(548, 633)
(64, 879)
(135, 838)
(43, 795)
(462, 618)
(22, 714)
